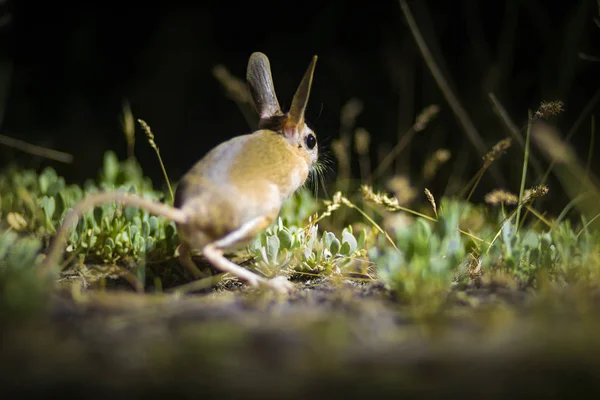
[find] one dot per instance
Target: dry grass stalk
(431, 200)
(421, 122)
(497, 151)
(390, 203)
(236, 88)
(534, 193)
(149, 134)
(153, 144)
(433, 163)
(500, 196)
(425, 117)
(349, 113)
(549, 109)
(400, 186)
(474, 268)
(362, 141)
(332, 205)
(340, 151)
(341, 147)
(36, 150)
(548, 139)
(339, 199)
(128, 126)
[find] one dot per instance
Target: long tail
(87, 204)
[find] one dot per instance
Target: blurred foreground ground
(352, 340)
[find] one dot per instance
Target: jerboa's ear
(261, 86)
(300, 101)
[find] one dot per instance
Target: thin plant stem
(393, 154)
(512, 128)
(567, 208)
(590, 152)
(539, 216)
(349, 204)
(153, 144)
(451, 98)
(524, 170)
(36, 150)
(587, 225)
(588, 108)
(477, 179)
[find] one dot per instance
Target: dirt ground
(345, 340)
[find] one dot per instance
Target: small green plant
(306, 249)
(298, 208)
(37, 204)
(558, 250)
(20, 287)
(428, 256)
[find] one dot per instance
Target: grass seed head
(500, 196)
(497, 151)
(362, 141)
(535, 193)
(404, 193)
(549, 109)
(433, 163)
(350, 111)
(431, 200)
(425, 117)
(391, 203)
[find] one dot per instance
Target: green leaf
(74, 238)
(273, 248)
(145, 229)
(119, 240)
(133, 231)
(422, 238)
(362, 238)
(336, 248)
(286, 239)
(107, 251)
(98, 215)
(45, 179)
(153, 222)
(111, 167)
(530, 240)
(170, 232)
(328, 237)
(7, 201)
(130, 213)
(150, 244)
(7, 239)
(48, 204)
(125, 236)
(348, 237)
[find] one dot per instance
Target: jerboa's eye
(311, 141)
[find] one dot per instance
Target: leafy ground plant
(37, 203)
(22, 292)
(419, 259)
(306, 250)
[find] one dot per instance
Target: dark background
(68, 67)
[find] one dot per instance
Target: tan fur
(246, 177)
